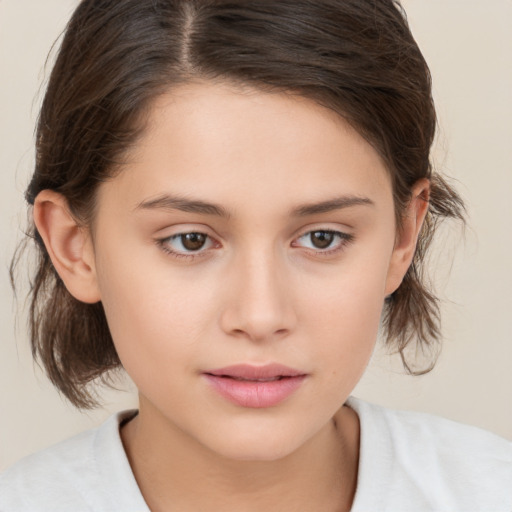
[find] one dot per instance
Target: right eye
(186, 245)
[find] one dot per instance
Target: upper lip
(252, 372)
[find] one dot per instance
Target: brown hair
(356, 57)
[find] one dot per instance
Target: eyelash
(344, 240)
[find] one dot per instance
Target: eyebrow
(172, 202)
(330, 205)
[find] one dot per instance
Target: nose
(259, 303)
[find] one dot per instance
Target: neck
(182, 474)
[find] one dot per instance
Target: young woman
(229, 200)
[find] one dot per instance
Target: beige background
(468, 44)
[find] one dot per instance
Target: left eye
(188, 242)
(323, 239)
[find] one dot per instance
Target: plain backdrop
(468, 44)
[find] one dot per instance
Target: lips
(255, 386)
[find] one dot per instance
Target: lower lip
(255, 394)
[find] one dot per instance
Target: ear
(407, 236)
(68, 244)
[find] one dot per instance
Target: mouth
(242, 379)
(254, 373)
(255, 386)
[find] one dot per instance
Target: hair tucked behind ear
(70, 338)
(356, 57)
(412, 313)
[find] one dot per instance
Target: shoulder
(31, 482)
(439, 433)
(71, 475)
(436, 463)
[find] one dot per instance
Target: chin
(257, 452)
(262, 446)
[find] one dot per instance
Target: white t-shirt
(409, 462)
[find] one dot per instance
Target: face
(243, 256)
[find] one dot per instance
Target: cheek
(156, 316)
(351, 297)
(345, 317)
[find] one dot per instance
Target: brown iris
(322, 239)
(193, 241)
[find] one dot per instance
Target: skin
(259, 291)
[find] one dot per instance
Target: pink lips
(255, 386)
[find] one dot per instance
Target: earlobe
(68, 244)
(407, 238)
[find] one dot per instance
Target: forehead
(242, 146)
